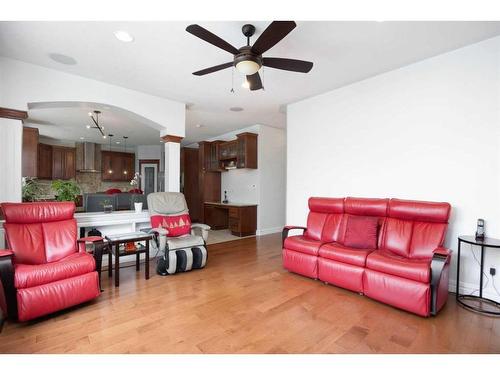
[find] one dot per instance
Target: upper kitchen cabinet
(63, 163)
(117, 166)
(44, 161)
(209, 154)
(239, 153)
(246, 150)
(30, 152)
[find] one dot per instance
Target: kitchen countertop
(231, 204)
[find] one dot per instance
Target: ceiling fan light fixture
(247, 67)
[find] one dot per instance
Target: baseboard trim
(263, 232)
(468, 288)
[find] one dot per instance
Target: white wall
(265, 185)
(272, 166)
(428, 131)
(149, 152)
(11, 136)
(22, 83)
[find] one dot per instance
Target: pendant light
(125, 172)
(110, 171)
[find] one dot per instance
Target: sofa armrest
(204, 230)
(442, 252)
(440, 258)
(7, 281)
(84, 240)
(6, 253)
(288, 228)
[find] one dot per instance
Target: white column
(172, 163)
(11, 144)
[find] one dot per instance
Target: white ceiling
(163, 56)
(67, 121)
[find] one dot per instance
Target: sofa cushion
(361, 232)
(59, 239)
(26, 240)
(333, 228)
(426, 237)
(27, 276)
(344, 254)
(302, 244)
(396, 236)
(315, 224)
(386, 262)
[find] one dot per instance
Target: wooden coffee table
(114, 245)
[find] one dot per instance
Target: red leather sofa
(407, 267)
(46, 268)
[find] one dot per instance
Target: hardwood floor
(245, 302)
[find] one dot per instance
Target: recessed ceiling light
(236, 109)
(117, 142)
(82, 137)
(62, 59)
(123, 36)
(199, 125)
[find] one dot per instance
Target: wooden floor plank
(245, 302)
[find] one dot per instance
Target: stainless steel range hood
(88, 157)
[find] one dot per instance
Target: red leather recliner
(46, 268)
(408, 269)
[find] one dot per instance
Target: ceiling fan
(248, 59)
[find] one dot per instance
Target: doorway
(149, 175)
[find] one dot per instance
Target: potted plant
(107, 206)
(66, 191)
(31, 189)
(135, 199)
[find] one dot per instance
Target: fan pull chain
(263, 79)
(232, 80)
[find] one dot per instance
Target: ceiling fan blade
(276, 31)
(254, 82)
(288, 64)
(207, 36)
(213, 69)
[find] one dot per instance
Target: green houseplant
(66, 191)
(31, 189)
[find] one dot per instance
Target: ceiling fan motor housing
(246, 58)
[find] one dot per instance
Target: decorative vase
(138, 207)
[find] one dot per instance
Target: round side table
(479, 303)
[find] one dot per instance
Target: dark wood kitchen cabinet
(238, 153)
(208, 179)
(190, 181)
(44, 161)
(209, 152)
(30, 152)
(63, 163)
(247, 150)
(241, 220)
(117, 166)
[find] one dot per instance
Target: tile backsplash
(88, 182)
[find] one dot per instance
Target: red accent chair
(135, 191)
(113, 191)
(46, 268)
(408, 268)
